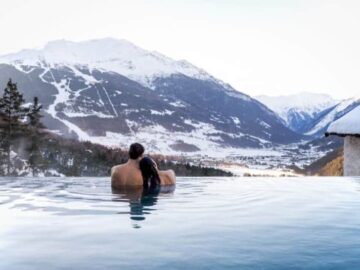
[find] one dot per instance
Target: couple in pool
(140, 171)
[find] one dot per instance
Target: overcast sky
(268, 47)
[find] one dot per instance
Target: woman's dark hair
(151, 178)
(136, 150)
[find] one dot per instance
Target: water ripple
(205, 223)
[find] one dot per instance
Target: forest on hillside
(27, 148)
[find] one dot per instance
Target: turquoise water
(205, 223)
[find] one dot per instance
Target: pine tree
(12, 112)
(2, 144)
(35, 115)
(35, 157)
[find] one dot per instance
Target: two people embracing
(140, 171)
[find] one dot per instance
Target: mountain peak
(298, 110)
(306, 101)
(116, 55)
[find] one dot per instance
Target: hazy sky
(260, 47)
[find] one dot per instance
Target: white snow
(111, 104)
(235, 120)
(100, 101)
(166, 112)
(330, 116)
(236, 94)
(108, 54)
(78, 92)
(27, 105)
(178, 104)
(62, 97)
(54, 172)
(128, 111)
(111, 55)
(87, 78)
(348, 124)
(309, 103)
(158, 140)
(239, 170)
(87, 114)
(22, 69)
(264, 125)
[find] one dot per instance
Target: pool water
(205, 223)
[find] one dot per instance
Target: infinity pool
(205, 223)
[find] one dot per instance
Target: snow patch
(236, 120)
(166, 112)
(264, 125)
(87, 114)
(177, 104)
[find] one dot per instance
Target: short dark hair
(136, 150)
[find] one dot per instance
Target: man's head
(136, 151)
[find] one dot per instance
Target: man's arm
(115, 176)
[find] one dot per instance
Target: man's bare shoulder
(126, 174)
(123, 168)
(116, 168)
(116, 175)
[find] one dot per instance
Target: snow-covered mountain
(299, 110)
(112, 92)
(108, 54)
(328, 116)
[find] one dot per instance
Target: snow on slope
(108, 54)
(338, 111)
(309, 103)
(158, 140)
(122, 57)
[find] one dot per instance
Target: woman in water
(153, 178)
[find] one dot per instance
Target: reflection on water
(70, 197)
(206, 223)
(140, 201)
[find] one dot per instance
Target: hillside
(111, 91)
(329, 165)
(68, 157)
(333, 168)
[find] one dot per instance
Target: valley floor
(238, 170)
(271, 161)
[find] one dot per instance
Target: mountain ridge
(172, 106)
(321, 124)
(109, 54)
(298, 111)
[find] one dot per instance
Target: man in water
(129, 174)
